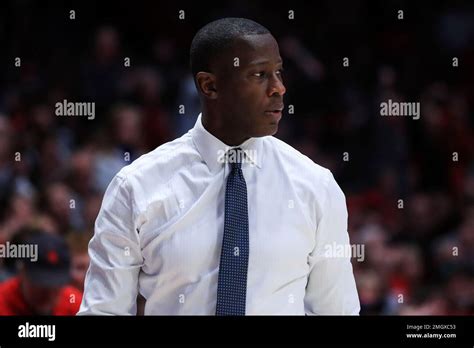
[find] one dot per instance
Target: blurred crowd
(409, 183)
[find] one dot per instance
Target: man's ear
(206, 83)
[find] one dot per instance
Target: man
(41, 287)
(227, 219)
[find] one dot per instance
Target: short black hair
(215, 38)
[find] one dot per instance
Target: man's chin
(274, 129)
(271, 129)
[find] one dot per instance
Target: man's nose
(276, 86)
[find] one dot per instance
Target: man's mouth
(275, 111)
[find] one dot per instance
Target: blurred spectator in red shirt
(41, 287)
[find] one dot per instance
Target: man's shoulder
(309, 176)
(162, 158)
(297, 160)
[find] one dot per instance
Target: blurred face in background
(128, 126)
(78, 245)
(79, 266)
(58, 196)
(107, 44)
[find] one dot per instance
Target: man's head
(237, 68)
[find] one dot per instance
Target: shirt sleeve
(331, 288)
(111, 284)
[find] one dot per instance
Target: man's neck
(218, 128)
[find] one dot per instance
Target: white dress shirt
(159, 232)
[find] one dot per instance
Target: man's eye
(262, 74)
(280, 72)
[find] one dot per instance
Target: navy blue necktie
(232, 284)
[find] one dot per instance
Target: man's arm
(111, 284)
(331, 288)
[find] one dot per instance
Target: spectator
(78, 243)
(40, 288)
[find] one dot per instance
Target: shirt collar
(213, 150)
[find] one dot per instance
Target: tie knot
(235, 158)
